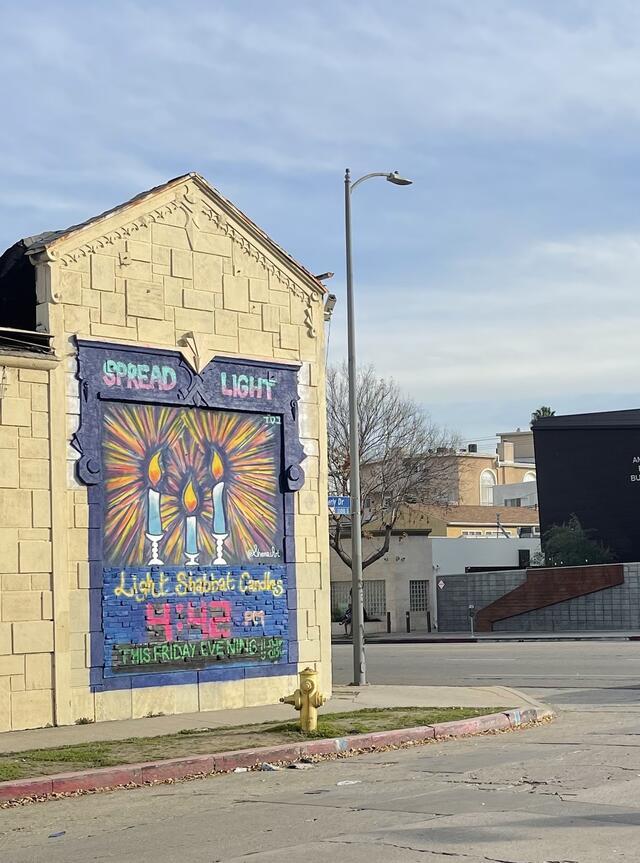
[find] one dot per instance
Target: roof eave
(57, 237)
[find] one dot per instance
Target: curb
(198, 766)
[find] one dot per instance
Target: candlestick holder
(220, 538)
(192, 559)
(154, 539)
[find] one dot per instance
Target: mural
(191, 534)
(190, 487)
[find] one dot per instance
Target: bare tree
(406, 460)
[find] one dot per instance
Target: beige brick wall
(176, 270)
(26, 599)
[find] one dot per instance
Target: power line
(326, 356)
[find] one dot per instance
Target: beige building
(479, 473)
(163, 528)
(479, 521)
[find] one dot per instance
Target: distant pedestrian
(347, 618)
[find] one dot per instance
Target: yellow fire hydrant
(307, 699)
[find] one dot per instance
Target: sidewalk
(344, 699)
(515, 711)
(467, 638)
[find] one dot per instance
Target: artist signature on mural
(254, 552)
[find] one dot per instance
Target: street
(568, 791)
(569, 675)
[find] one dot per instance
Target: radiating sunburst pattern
(161, 465)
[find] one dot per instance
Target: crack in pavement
(459, 854)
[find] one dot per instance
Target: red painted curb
(176, 768)
(376, 739)
(92, 780)
(226, 762)
(462, 727)
(19, 788)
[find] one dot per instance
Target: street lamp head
(395, 178)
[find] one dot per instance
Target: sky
(507, 276)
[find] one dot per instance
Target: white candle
(154, 524)
(219, 521)
(191, 539)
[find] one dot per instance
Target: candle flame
(217, 468)
(154, 470)
(190, 497)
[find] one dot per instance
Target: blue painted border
(197, 390)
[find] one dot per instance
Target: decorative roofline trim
(192, 207)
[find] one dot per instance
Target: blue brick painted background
(176, 639)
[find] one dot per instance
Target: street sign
(441, 584)
(339, 505)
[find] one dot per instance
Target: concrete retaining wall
(614, 608)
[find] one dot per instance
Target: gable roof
(48, 239)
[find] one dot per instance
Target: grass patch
(40, 762)
(379, 719)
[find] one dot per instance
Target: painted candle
(154, 472)
(217, 495)
(190, 502)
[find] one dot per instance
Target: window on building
(530, 476)
(472, 533)
(418, 595)
(375, 596)
(339, 597)
(513, 501)
(487, 484)
(525, 532)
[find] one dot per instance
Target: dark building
(589, 464)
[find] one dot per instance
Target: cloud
(556, 318)
(512, 262)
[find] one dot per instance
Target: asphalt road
(570, 675)
(566, 792)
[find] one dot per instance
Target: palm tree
(543, 411)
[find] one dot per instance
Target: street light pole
(357, 596)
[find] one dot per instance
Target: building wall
(454, 531)
(409, 558)
(469, 469)
(471, 466)
(526, 492)
(26, 595)
(420, 558)
(451, 556)
(589, 467)
(613, 608)
(522, 442)
(477, 589)
(173, 271)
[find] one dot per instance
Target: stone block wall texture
(177, 268)
(26, 597)
(615, 608)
